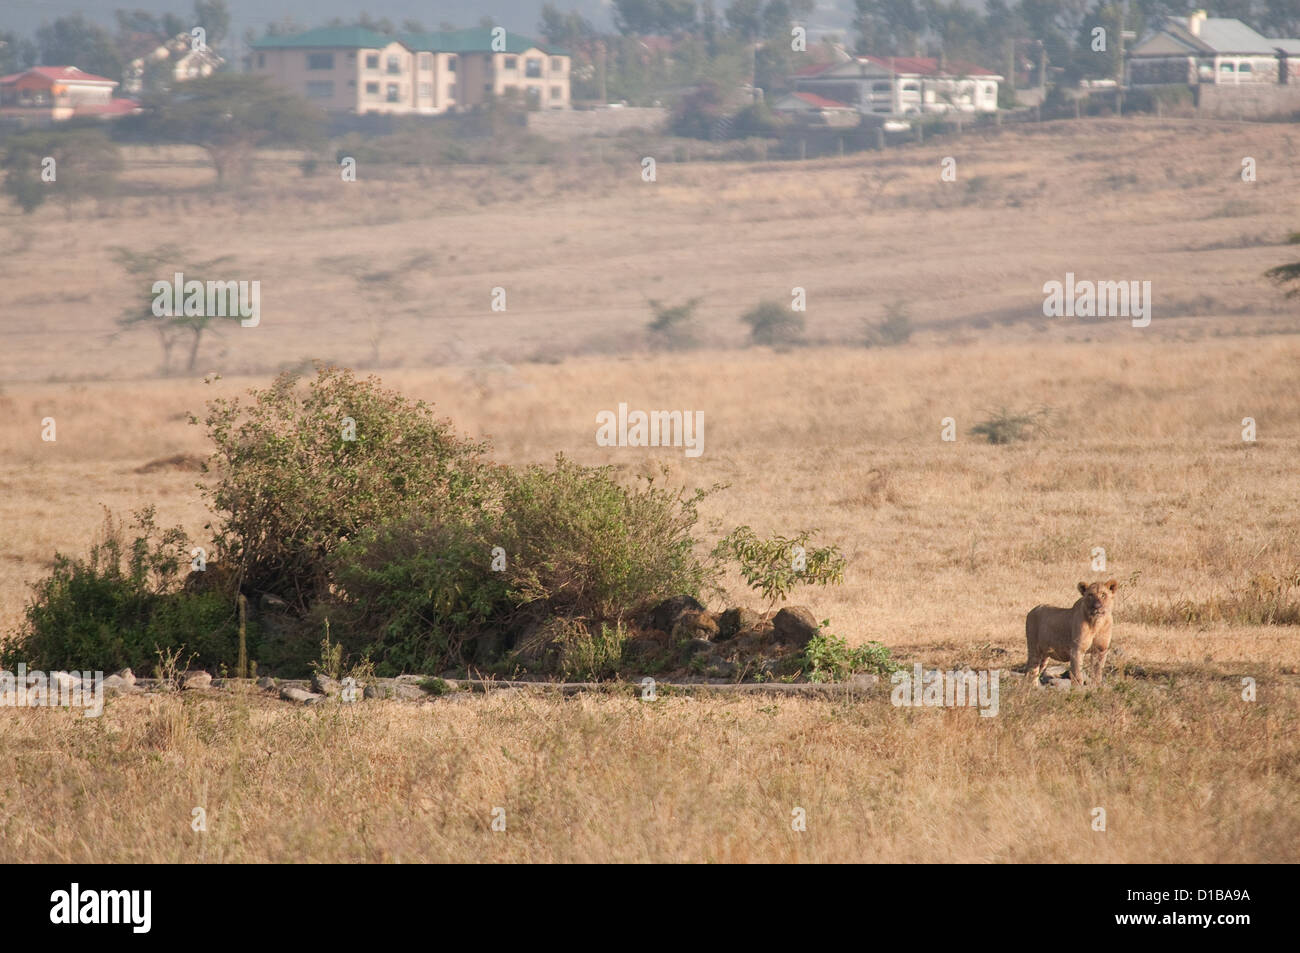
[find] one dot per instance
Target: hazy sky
(24, 16)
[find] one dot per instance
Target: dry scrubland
(948, 543)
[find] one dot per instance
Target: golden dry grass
(948, 543)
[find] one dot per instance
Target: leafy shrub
(671, 328)
(415, 597)
(86, 165)
(1005, 426)
(895, 329)
(123, 605)
(580, 544)
(290, 488)
(774, 325)
(771, 567)
(828, 658)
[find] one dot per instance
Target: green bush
(774, 325)
(121, 605)
(1005, 426)
(672, 327)
(416, 597)
(828, 658)
(86, 165)
(895, 329)
(582, 545)
(290, 487)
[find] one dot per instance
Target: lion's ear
(1083, 587)
(1112, 585)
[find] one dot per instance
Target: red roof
(49, 75)
(821, 102)
(814, 69)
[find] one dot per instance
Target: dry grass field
(948, 543)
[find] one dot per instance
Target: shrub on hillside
(300, 470)
(122, 605)
(774, 324)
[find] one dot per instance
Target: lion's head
(1097, 598)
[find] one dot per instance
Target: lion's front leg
(1101, 664)
(1076, 665)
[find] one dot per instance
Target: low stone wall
(1248, 102)
(570, 123)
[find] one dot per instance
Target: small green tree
(159, 265)
(774, 325)
(230, 115)
(73, 164)
(773, 567)
(672, 327)
(300, 470)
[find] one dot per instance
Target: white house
(1218, 51)
(902, 86)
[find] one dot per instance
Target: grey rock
(266, 682)
(298, 696)
(864, 680)
(193, 680)
(117, 685)
(665, 615)
(127, 676)
(735, 621)
(695, 647)
(272, 603)
(796, 625)
(322, 684)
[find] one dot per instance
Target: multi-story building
(356, 70)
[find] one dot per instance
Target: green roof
(478, 40)
(350, 37)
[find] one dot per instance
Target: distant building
(359, 71)
(55, 93)
(1211, 50)
(184, 61)
(902, 86)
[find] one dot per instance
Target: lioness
(1067, 634)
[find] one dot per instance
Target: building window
(487, 88)
(880, 87)
(557, 92)
(372, 61)
(451, 64)
(372, 89)
(533, 68)
(451, 91)
(320, 90)
(394, 93)
(426, 90)
(534, 95)
(512, 62)
(557, 65)
(426, 61)
(352, 56)
(394, 64)
(261, 60)
(320, 60)
(1225, 67)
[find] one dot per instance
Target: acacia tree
(230, 115)
(159, 265)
